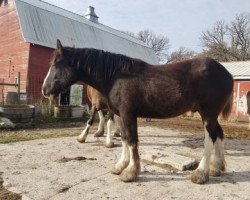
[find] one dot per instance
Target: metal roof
(42, 23)
(239, 69)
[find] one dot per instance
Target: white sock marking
(125, 155)
(109, 137)
(101, 122)
(218, 155)
(84, 133)
(204, 164)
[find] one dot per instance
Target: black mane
(105, 64)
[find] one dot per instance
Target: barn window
(3, 2)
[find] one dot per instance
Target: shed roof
(42, 23)
(239, 69)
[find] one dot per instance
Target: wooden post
(16, 84)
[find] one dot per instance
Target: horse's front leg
(129, 164)
(82, 137)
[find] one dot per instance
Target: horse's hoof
(109, 144)
(129, 174)
(116, 171)
(199, 177)
(80, 140)
(216, 170)
(117, 134)
(99, 134)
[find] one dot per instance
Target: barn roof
(239, 69)
(42, 23)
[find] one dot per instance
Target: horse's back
(170, 90)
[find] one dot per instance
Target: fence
(10, 97)
(30, 92)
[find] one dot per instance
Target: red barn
(28, 33)
(241, 74)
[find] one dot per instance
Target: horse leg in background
(128, 165)
(201, 174)
(100, 131)
(117, 120)
(109, 142)
(82, 137)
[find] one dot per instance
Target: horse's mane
(105, 64)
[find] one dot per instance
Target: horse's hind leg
(217, 165)
(117, 120)
(109, 142)
(201, 174)
(100, 130)
(82, 137)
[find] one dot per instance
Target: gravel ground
(61, 168)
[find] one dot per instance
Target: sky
(182, 21)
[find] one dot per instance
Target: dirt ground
(193, 125)
(57, 167)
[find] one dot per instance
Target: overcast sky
(182, 21)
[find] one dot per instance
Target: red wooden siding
(240, 104)
(39, 63)
(13, 49)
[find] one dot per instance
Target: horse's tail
(228, 107)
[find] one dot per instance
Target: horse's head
(60, 75)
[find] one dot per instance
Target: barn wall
(241, 87)
(39, 60)
(14, 51)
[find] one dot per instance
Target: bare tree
(159, 43)
(239, 31)
(181, 54)
(228, 42)
(215, 36)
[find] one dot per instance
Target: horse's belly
(163, 112)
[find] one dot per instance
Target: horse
(248, 107)
(98, 104)
(133, 88)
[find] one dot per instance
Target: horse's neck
(88, 79)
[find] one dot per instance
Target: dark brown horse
(99, 105)
(133, 88)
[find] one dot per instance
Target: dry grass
(7, 195)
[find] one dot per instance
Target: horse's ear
(59, 46)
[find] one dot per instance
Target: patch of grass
(41, 120)
(19, 137)
(10, 139)
(39, 129)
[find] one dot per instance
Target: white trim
(241, 77)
